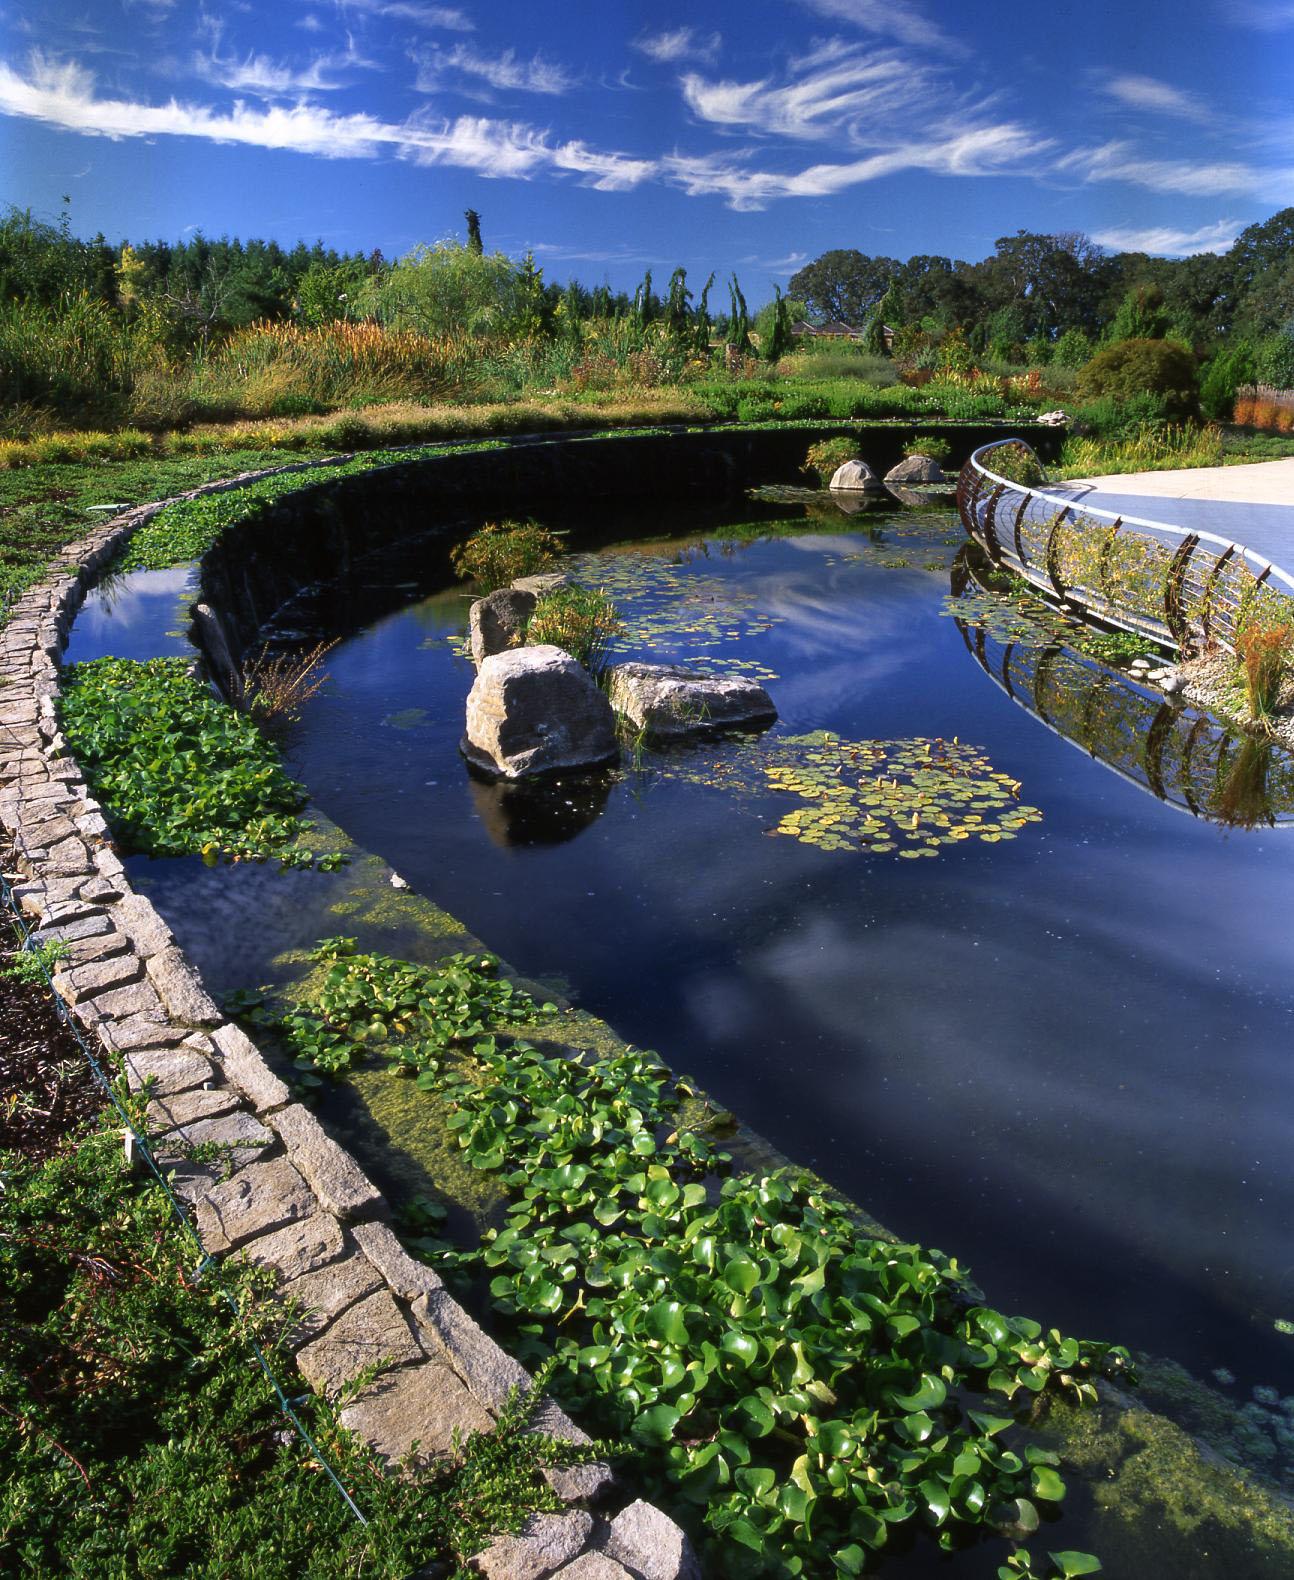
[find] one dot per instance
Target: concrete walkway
(1252, 505)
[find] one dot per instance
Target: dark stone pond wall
(317, 533)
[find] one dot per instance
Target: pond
(1023, 988)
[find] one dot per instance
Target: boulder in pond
(498, 621)
(670, 700)
(541, 584)
(533, 710)
(916, 469)
(854, 477)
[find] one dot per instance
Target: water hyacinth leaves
(802, 1386)
(910, 796)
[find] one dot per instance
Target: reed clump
(1265, 652)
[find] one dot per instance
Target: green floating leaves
(906, 796)
(179, 772)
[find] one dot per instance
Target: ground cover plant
(139, 1436)
(179, 772)
(811, 1394)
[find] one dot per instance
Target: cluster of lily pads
(814, 1394)
(665, 610)
(909, 796)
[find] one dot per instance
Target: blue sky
(613, 137)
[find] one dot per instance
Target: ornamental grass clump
(1265, 652)
(276, 687)
(582, 621)
(503, 550)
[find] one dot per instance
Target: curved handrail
(1201, 587)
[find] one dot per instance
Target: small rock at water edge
(669, 699)
(854, 477)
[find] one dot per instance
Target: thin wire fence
(1185, 590)
(140, 1148)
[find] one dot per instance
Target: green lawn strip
(806, 1391)
(139, 1435)
(178, 771)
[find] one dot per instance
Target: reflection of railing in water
(1183, 589)
(1182, 755)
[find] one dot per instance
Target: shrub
(503, 550)
(929, 445)
(1265, 652)
(1144, 367)
(822, 459)
(1275, 360)
(1223, 377)
(581, 621)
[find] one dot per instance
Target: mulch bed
(47, 1090)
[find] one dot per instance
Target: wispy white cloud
(1147, 93)
(985, 150)
(1172, 243)
(506, 72)
(446, 18)
(271, 79)
(680, 43)
(889, 18)
(63, 94)
(1119, 161)
(836, 88)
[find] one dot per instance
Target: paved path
(1252, 505)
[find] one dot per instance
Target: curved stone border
(284, 1195)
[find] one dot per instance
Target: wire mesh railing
(1187, 590)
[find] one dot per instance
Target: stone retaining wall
(284, 1194)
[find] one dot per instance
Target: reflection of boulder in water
(545, 811)
(916, 498)
(854, 504)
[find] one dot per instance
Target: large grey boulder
(498, 621)
(854, 477)
(533, 710)
(669, 700)
(916, 469)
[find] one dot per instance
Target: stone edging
(287, 1196)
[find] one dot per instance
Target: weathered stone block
(299, 1248)
(244, 1064)
(148, 932)
(497, 622)
(171, 1070)
(535, 710)
(180, 990)
(241, 1132)
(543, 1544)
(405, 1276)
(373, 1333)
(594, 1566)
(101, 976)
(323, 1295)
(184, 1108)
(651, 1544)
(150, 1029)
(671, 700)
(423, 1405)
(580, 1483)
(257, 1198)
(336, 1178)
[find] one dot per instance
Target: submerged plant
(582, 621)
(503, 550)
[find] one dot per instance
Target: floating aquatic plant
(909, 796)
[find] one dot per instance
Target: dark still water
(1062, 1056)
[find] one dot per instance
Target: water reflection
(545, 812)
(1185, 757)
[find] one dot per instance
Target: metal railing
(1183, 589)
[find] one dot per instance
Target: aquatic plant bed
(759, 957)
